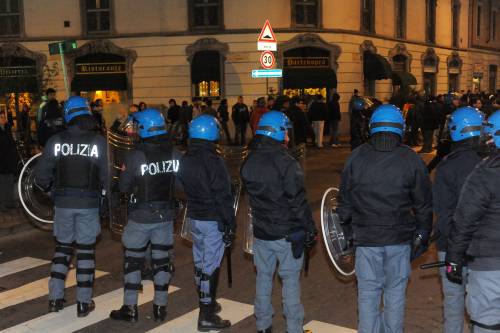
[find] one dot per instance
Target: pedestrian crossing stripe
(320, 327)
(19, 265)
(66, 320)
(36, 289)
(231, 310)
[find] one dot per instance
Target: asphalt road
(330, 302)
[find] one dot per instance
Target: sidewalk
(14, 221)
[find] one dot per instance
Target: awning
(18, 85)
(376, 67)
(205, 66)
(18, 74)
(92, 82)
(309, 78)
(403, 79)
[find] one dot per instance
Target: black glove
(454, 267)
(454, 272)
(311, 238)
(228, 234)
(420, 244)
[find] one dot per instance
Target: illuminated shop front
(20, 83)
(309, 66)
(101, 70)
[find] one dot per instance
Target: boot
(218, 307)
(267, 330)
(126, 313)
(83, 309)
(159, 312)
(214, 284)
(208, 320)
(56, 305)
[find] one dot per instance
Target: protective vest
(156, 179)
(76, 156)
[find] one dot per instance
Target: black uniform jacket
(207, 184)
(162, 207)
(57, 147)
(385, 193)
(476, 228)
(450, 177)
(275, 184)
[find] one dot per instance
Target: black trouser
(223, 124)
(240, 135)
(428, 137)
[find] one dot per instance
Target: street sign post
(266, 73)
(267, 40)
(267, 60)
(61, 48)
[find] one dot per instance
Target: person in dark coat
(299, 120)
(318, 115)
(474, 239)
(385, 199)
(241, 118)
(223, 117)
(173, 113)
(51, 118)
(465, 129)
(429, 124)
(334, 117)
(8, 164)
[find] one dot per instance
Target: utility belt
(76, 192)
(57, 122)
(153, 205)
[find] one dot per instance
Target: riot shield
(186, 222)
(118, 148)
(37, 203)
(339, 250)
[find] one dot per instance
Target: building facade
(153, 50)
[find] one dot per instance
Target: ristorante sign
(17, 71)
(101, 68)
(307, 62)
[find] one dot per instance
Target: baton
(229, 268)
(306, 262)
(433, 265)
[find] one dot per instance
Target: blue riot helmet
(76, 106)
(150, 122)
(466, 122)
(387, 118)
(273, 124)
(205, 127)
(493, 127)
(358, 104)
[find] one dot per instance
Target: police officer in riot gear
(475, 237)
(148, 177)
(385, 195)
(282, 220)
(73, 167)
(358, 122)
(207, 184)
(465, 126)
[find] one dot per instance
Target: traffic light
(67, 46)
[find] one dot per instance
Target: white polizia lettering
(78, 149)
(160, 167)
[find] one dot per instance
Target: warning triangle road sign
(267, 34)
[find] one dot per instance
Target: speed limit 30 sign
(267, 59)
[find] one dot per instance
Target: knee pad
(132, 264)
(162, 265)
(65, 248)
